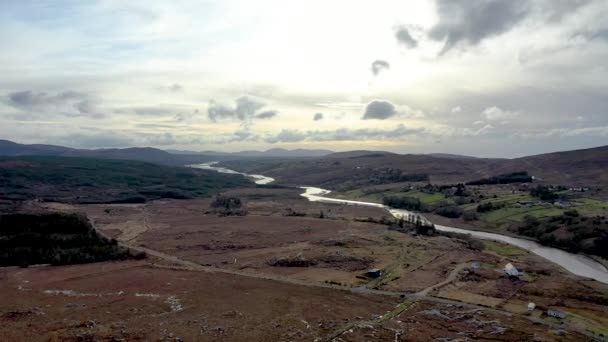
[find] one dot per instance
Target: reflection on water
(257, 179)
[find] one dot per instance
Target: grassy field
(377, 197)
(103, 180)
(512, 214)
(592, 207)
(503, 249)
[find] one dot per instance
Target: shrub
(470, 216)
(228, 206)
(402, 202)
(451, 211)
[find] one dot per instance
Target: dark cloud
(318, 116)
(380, 110)
(404, 37)
(556, 10)
(471, 21)
(269, 114)
(378, 66)
(246, 108)
(86, 107)
(29, 100)
(342, 134)
(68, 103)
(601, 34)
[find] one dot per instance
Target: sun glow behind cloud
(149, 71)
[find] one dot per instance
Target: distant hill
(448, 155)
(580, 167)
(324, 167)
(360, 154)
(577, 167)
(274, 152)
(95, 180)
(147, 154)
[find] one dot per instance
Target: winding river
(575, 263)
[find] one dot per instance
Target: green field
(378, 196)
(503, 249)
(511, 214)
(592, 207)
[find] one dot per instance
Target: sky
(487, 78)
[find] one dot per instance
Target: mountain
(578, 167)
(448, 155)
(274, 152)
(9, 148)
(148, 154)
(360, 154)
(586, 167)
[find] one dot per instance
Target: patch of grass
(426, 198)
(513, 214)
(591, 207)
(503, 249)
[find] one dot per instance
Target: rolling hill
(581, 167)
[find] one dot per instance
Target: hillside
(273, 152)
(54, 238)
(577, 167)
(582, 167)
(147, 154)
(86, 180)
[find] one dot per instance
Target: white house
(511, 271)
(531, 306)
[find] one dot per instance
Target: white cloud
(495, 114)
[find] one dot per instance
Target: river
(575, 263)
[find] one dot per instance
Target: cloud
(404, 37)
(266, 115)
(342, 134)
(176, 88)
(30, 100)
(495, 113)
(456, 110)
(378, 66)
(379, 110)
(556, 10)
(242, 135)
(601, 131)
(246, 108)
(153, 110)
(104, 139)
(318, 116)
(69, 103)
(600, 34)
(468, 22)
